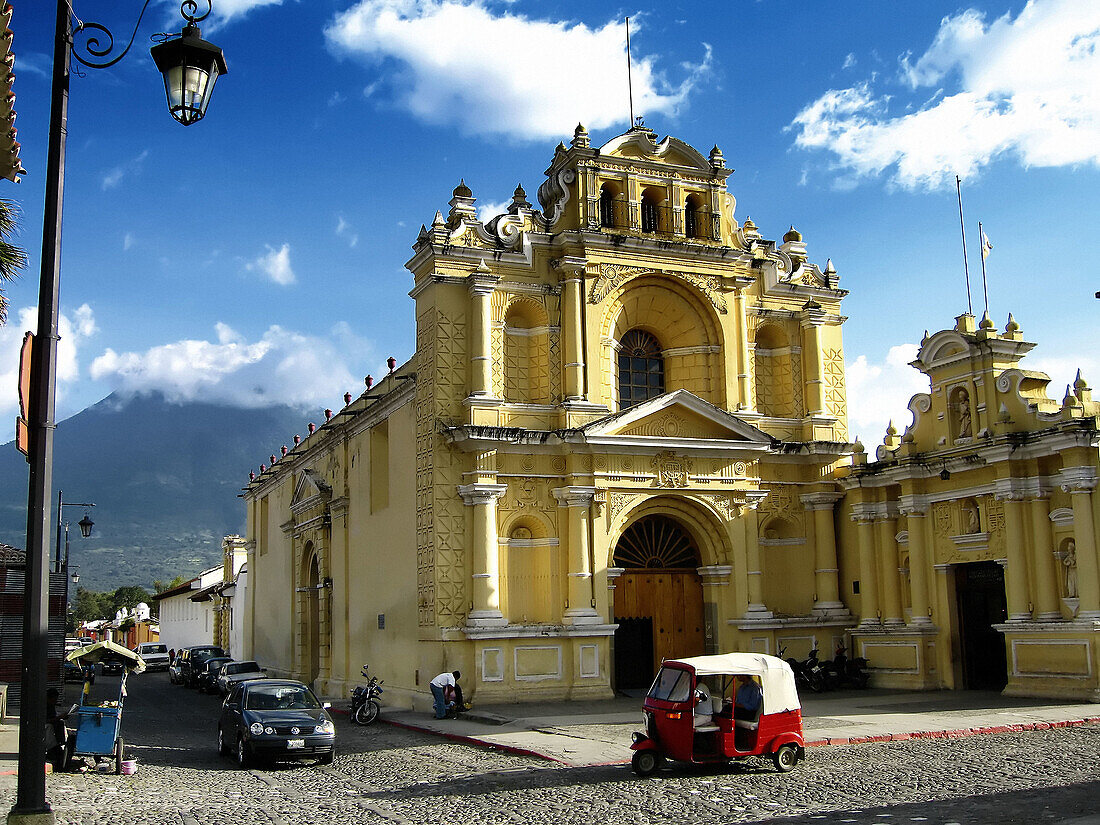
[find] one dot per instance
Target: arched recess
(682, 320)
(775, 373)
(695, 217)
(655, 214)
(532, 565)
(612, 206)
(658, 595)
(526, 353)
(311, 613)
(788, 568)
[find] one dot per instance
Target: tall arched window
(692, 217)
(641, 368)
(607, 206)
(650, 215)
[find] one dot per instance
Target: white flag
(987, 246)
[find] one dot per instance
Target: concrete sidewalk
(598, 733)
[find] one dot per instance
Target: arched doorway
(312, 658)
(658, 599)
(980, 595)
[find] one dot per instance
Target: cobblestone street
(385, 774)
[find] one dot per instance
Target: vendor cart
(98, 723)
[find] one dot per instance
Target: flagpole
(985, 287)
(629, 77)
(962, 226)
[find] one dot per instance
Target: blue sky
(259, 255)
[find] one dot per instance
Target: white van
(155, 655)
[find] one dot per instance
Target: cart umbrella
(91, 654)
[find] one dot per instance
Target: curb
(473, 740)
(957, 733)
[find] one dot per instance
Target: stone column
(864, 517)
(1079, 483)
(744, 368)
(826, 572)
(1046, 575)
(890, 581)
(756, 608)
(481, 285)
(815, 380)
(484, 553)
(577, 501)
(1016, 568)
(920, 560)
(572, 269)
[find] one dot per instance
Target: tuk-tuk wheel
(646, 763)
(785, 758)
(118, 756)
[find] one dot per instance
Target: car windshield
(280, 697)
(671, 685)
(153, 649)
(243, 667)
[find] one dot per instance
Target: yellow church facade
(622, 437)
(971, 537)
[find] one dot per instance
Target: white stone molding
(1078, 479)
(477, 493)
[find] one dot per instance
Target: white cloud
(74, 333)
(494, 71)
(488, 210)
(275, 265)
(282, 367)
(113, 177)
(226, 10)
(1026, 88)
(879, 393)
(345, 231)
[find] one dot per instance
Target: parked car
(206, 674)
(190, 658)
(233, 672)
(275, 719)
(155, 655)
(110, 666)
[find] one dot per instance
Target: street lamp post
(192, 74)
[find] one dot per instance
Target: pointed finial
(717, 159)
(1011, 326)
(924, 340)
(438, 219)
(1079, 382)
(891, 430)
(580, 137)
(987, 322)
(829, 268)
(284, 450)
(483, 268)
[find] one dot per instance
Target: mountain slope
(164, 478)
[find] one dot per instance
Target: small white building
(187, 612)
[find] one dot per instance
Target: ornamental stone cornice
(820, 501)
(1077, 479)
(575, 496)
(913, 506)
(482, 283)
(480, 493)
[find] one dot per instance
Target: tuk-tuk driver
(746, 704)
(703, 704)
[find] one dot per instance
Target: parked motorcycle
(843, 672)
(365, 706)
(809, 674)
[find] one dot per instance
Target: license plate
(291, 744)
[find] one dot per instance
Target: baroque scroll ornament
(672, 470)
(612, 276)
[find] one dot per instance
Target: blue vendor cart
(98, 723)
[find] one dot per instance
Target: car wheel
(785, 758)
(326, 758)
(223, 748)
(244, 754)
(645, 763)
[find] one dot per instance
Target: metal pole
(57, 552)
(985, 284)
(629, 79)
(30, 800)
(962, 226)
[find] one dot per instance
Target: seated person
(57, 734)
(747, 700)
(703, 706)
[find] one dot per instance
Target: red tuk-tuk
(701, 710)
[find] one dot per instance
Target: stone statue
(1069, 559)
(962, 407)
(973, 525)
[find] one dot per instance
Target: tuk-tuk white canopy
(775, 675)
